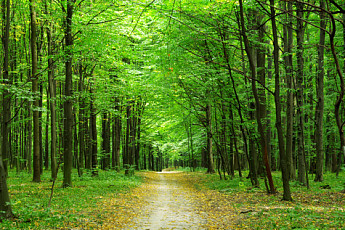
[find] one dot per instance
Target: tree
(257, 101)
(299, 95)
(52, 94)
(68, 112)
(6, 100)
(288, 43)
(5, 204)
(320, 99)
(35, 91)
(282, 153)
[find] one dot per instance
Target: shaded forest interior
(230, 86)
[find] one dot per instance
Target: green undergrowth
(69, 205)
(322, 206)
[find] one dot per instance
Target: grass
(316, 208)
(69, 205)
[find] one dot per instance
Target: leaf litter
(183, 201)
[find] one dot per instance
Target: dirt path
(169, 200)
(170, 205)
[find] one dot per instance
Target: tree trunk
(40, 127)
(257, 102)
(82, 121)
(117, 138)
(210, 168)
(226, 56)
(283, 160)
(35, 91)
(93, 138)
(5, 204)
(137, 149)
(127, 154)
(320, 99)
(288, 42)
(68, 113)
(340, 97)
(133, 131)
(28, 146)
(88, 142)
(46, 141)
(106, 141)
(300, 111)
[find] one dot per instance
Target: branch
(341, 10)
(62, 6)
(90, 21)
(135, 26)
(16, 113)
(96, 23)
(305, 21)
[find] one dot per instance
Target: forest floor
(169, 200)
(173, 200)
(181, 200)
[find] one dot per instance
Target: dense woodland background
(226, 85)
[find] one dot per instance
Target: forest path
(169, 200)
(171, 204)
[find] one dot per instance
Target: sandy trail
(171, 205)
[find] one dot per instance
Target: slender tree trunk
(82, 121)
(191, 144)
(283, 160)
(46, 141)
(40, 128)
(35, 91)
(93, 132)
(340, 97)
(261, 92)
(28, 146)
(88, 140)
(127, 154)
(320, 99)
(300, 112)
(228, 159)
(106, 141)
(5, 203)
(210, 168)
(6, 97)
(235, 144)
(257, 102)
(149, 158)
(68, 113)
(133, 131)
(117, 138)
(76, 151)
(272, 157)
(226, 56)
(137, 149)
(244, 131)
(113, 151)
(288, 36)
